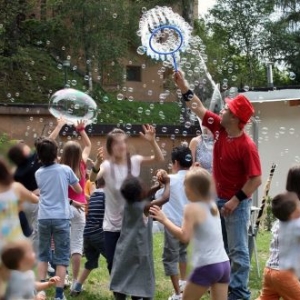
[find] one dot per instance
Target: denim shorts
(59, 230)
(94, 245)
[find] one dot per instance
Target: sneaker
(50, 269)
(75, 293)
(175, 297)
(182, 284)
(67, 282)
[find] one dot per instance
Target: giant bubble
(73, 105)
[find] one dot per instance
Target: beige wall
(27, 125)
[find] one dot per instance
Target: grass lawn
(96, 286)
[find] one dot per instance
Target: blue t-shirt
(95, 215)
(53, 182)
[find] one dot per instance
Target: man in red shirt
(237, 174)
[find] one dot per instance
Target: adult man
(237, 174)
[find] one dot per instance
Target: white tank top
(114, 201)
(208, 246)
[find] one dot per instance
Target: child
(54, 211)
(12, 195)
(175, 252)
(76, 158)
(286, 208)
(27, 164)
(281, 283)
(19, 258)
(202, 225)
(133, 269)
(93, 235)
(118, 165)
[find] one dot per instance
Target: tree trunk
(188, 11)
(43, 10)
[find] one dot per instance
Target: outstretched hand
(149, 133)
(80, 125)
(100, 155)
(61, 122)
(53, 280)
(157, 214)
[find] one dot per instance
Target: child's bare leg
(219, 291)
(76, 258)
(182, 270)
(84, 275)
(175, 282)
(61, 272)
(194, 291)
(42, 270)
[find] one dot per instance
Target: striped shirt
(95, 215)
(273, 261)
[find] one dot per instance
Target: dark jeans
(111, 239)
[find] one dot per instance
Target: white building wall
(279, 141)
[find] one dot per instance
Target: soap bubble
(246, 88)
(141, 50)
(282, 130)
(292, 130)
(264, 130)
(120, 97)
(292, 75)
(63, 102)
(164, 129)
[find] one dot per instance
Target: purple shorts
(211, 274)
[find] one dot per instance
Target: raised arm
(80, 128)
(164, 197)
(96, 171)
(163, 178)
(193, 146)
(149, 135)
(192, 101)
(61, 122)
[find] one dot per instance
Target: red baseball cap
(241, 107)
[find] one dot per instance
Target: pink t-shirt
(72, 194)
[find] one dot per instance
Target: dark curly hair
(132, 189)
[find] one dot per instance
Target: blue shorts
(60, 231)
(211, 274)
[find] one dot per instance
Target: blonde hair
(200, 182)
(72, 156)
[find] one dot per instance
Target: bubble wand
(164, 34)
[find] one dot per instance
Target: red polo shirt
(235, 160)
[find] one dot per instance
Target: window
(134, 73)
